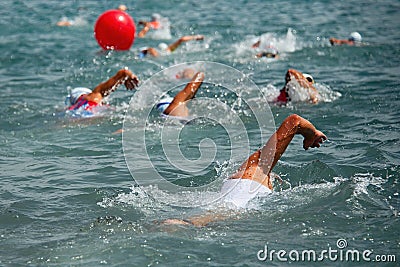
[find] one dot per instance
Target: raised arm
(183, 39)
(123, 76)
(178, 104)
(260, 164)
(256, 44)
(146, 28)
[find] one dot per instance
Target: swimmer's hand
(131, 81)
(256, 44)
(199, 37)
(313, 139)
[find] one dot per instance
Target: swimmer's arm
(292, 125)
(145, 29)
(187, 93)
(256, 44)
(200, 220)
(267, 157)
(123, 76)
(153, 52)
(64, 23)
(335, 41)
(172, 47)
(314, 97)
(313, 93)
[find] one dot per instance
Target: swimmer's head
(143, 51)
(304, 79)
(299, 87)
(76, 93)
(355, 37)
(163, 46)
(164, 103)
(187, 73)
(123, 7)
(309, 78)
(155, 17)
(272, 50)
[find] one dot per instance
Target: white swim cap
(164, 103)
(162, 46)
(308, 77)
(77, 92)
(156, 17)
(271, 49)
(355, 36)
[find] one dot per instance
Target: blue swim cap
(164, 103)
(143, 52)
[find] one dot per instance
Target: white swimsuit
(238, 192)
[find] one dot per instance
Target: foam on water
(326, 94)
(78, 21)
(287, 43)
(288, 199)
(163, 33)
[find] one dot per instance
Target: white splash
(164, 32)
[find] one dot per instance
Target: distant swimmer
(266, 50)
(253, 178)
(299, 87)
(154, 24)
(186, 73)
(80, 21)
(164, 49)
(123, 8)
(270, 53)
(86, 102)
(354, 39)
(66, 22)
(177, 106)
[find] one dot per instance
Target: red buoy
(115, 30)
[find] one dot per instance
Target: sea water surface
(67, 196)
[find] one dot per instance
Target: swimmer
(354, 39)
(154, 24)
(177, 106)
(166, 49)
(272, 53)
(253, 178)
(65, 22)
(299, 87)
(84, 99)
(79, 21)
(268, 51)
(122, 7)
(186, 73)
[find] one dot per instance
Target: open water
(67, 195)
